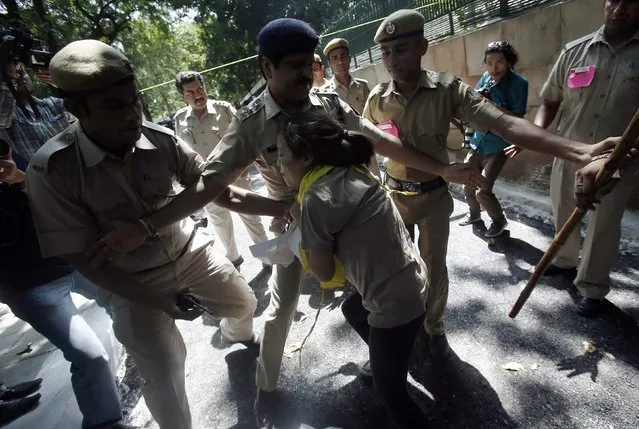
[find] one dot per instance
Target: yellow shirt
(423, 120)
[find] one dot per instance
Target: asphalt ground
(566, 371)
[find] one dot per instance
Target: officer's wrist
(148, 227)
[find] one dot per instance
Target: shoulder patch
(253, 107)
(159, 128)
(40, 161)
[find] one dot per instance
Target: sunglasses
(498, 45)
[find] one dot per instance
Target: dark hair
(187, 77)
(325, 140)
(512, 56)
(274, 59)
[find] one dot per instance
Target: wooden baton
(628, 141)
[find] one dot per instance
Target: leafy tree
(230, 30)
(159, 51)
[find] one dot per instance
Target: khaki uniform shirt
(424, 120)
(355, 95)
(601, 108)
(204, 133)
(253, 134)
(344, 209)
(77, 189)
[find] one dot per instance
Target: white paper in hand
(281, 250)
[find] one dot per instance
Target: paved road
(559, 385)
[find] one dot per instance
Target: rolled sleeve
(553, 88)
(354, 122)
(368, 109)
(233, 154)
(480, 113)
(190, 164)
(63, 224)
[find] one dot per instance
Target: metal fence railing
(444, 18)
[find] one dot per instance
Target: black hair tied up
(317, 135)
(512, 56)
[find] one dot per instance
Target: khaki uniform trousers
(285, 294)
(153, 340)
(223, 223)
(489, 165)
(431, 212)
(601, 243)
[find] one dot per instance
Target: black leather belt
(420, 187)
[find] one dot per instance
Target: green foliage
(230, 30)
(160, 50)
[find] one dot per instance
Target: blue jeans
(49, 309)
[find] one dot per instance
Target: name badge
(389, 127)
(581, 77)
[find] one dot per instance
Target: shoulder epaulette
(379, 88)
(40, 161)
(252, 108)
(223, 104)
(159, 128)
(579, 41)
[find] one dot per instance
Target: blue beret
(287, 36)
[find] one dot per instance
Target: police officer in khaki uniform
(595, 82)
(421, 104)
(319, 72)
(352, 90)
(111, 167)
(202, 124)
(285, 49)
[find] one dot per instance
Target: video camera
(26, 49)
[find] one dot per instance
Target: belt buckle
(411, 187)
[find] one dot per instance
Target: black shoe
(589, 307)
(439, 347)
(21, 390)
(239, 261)
(11, 410)
(252, 344)
(264, 406)
(496, 228)
(469, 219)
(554, 271)
(365, 369)
(123, 426)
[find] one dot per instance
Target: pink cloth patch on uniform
(389, 127)
(581, 77)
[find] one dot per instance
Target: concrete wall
(539, 37)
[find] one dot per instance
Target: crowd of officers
(103, 197)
